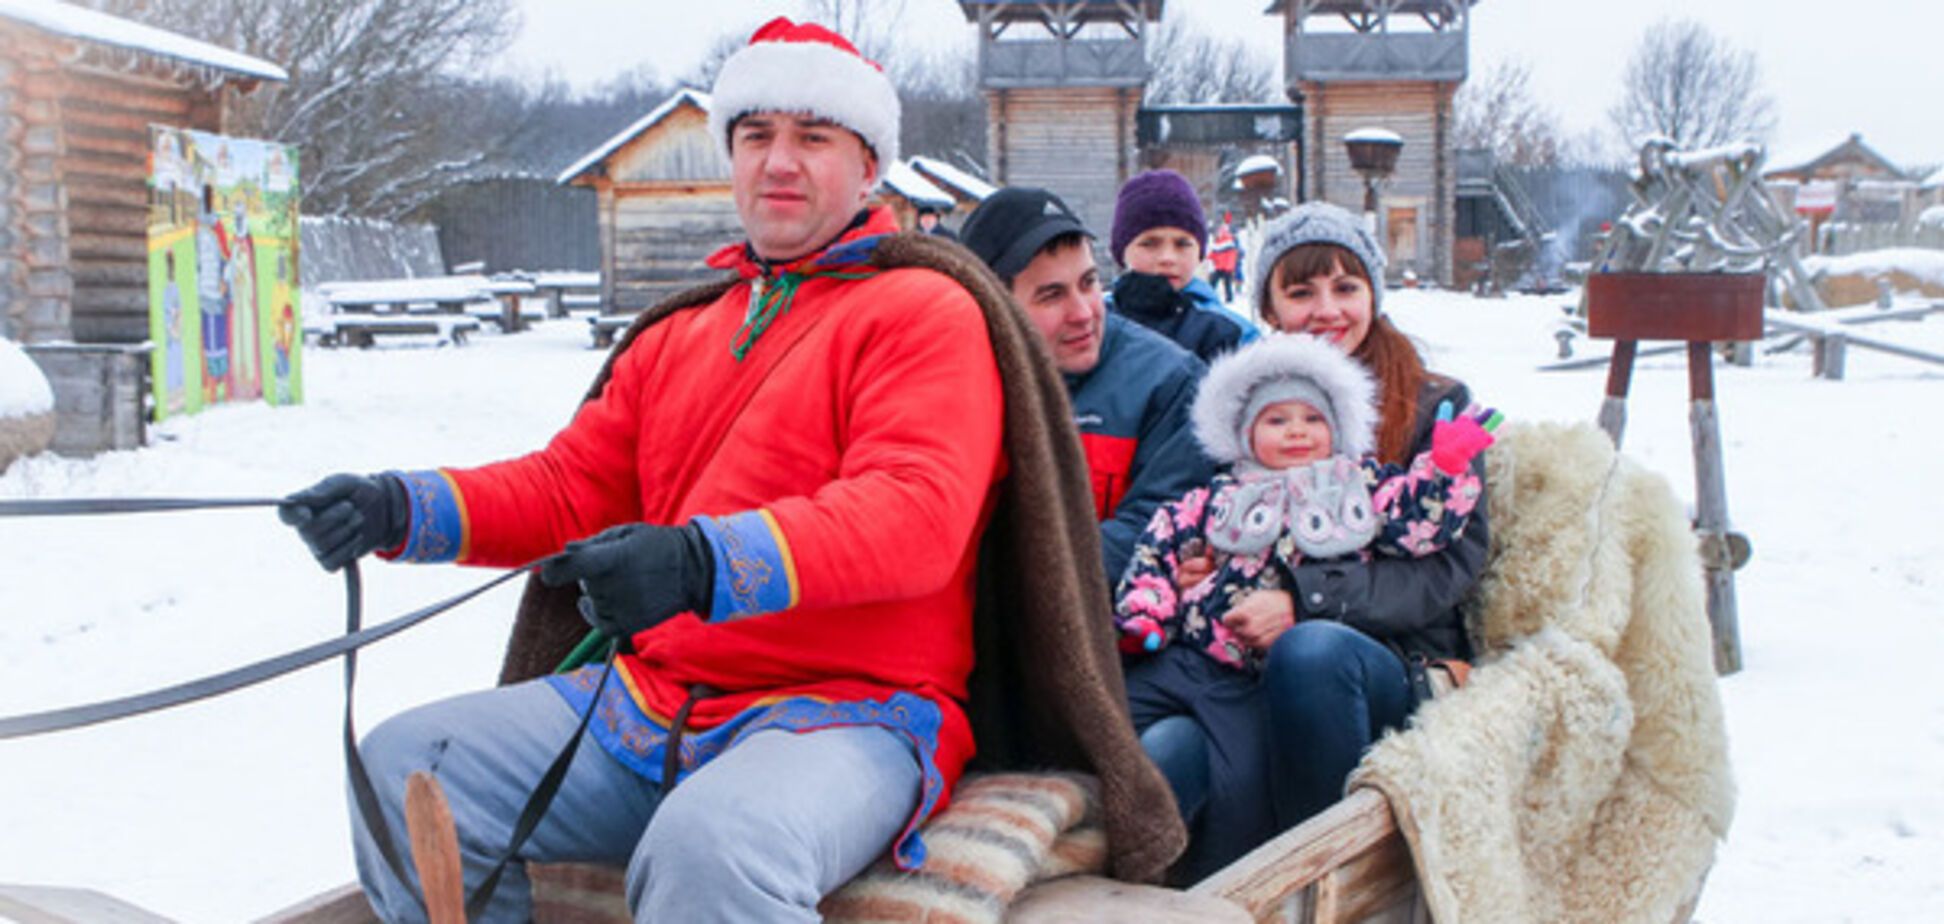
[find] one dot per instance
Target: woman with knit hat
(1160, 237)
(1339, 641)
(1293, 419)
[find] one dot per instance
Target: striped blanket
(1002, 833)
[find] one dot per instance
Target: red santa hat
(807, 69)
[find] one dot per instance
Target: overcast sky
(1869, 66)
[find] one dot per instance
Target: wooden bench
(1830, 338)
(359, 330)
(564, 290)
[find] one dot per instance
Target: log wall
(1076, 141)
(1426, 174)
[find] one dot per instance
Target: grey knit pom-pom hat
(1316, 222)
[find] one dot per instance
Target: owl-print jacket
(1259, 526)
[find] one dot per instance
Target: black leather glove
(635, 575)
(1145, 295)
(345, 517)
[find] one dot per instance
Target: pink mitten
(1454, 443)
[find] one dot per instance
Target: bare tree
(1687, 84)
(869, 24)
(1192, 66)
(944, 111)
(1497, 111)
(375, 97)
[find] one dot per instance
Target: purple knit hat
(1156, 199)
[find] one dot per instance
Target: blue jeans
(1177, 746)
(760, 833)
(1330, 691)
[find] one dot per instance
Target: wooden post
(1613, 411)
(1830, 350)
(1711, 508)
(435, 849)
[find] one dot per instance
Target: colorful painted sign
(223, 290)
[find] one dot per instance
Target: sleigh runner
(1580, 775)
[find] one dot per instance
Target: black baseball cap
(1008, 229)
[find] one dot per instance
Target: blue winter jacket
(1132, 412)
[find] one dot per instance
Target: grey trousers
(760, 833)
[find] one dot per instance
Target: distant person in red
(1225, 255)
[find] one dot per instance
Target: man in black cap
(1130, 387)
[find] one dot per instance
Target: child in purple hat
(1160, 237)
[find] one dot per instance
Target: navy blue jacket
(1132, 412)
(1194, 319)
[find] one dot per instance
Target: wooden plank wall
(1418, 111)
(517, 223)
(1076, 141)
(660, 235)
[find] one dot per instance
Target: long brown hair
(1389, 355)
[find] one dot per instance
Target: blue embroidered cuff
(754, 572)
(438, 529)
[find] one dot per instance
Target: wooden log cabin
(78, 92)
(663, 203)
(1388, 64)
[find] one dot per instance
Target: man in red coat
(775, 499)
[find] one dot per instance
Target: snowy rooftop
(960, 180)
(906, 182)
(696, 98)
(88, 25)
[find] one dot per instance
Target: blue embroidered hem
(625, 731)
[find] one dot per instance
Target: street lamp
(1373, 154)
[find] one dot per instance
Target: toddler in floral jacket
(1294, 418)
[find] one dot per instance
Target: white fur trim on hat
(1234, 379)
(809, 78)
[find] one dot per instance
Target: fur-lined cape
(1047, 690)
(1224, 402)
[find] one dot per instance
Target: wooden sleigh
(1348, 864)
(1354, 862)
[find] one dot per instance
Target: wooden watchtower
(1391, 64)
(1063, 80)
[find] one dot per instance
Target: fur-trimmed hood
(1284, 367)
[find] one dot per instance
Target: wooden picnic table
(562, 288)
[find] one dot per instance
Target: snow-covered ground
(228, 809)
